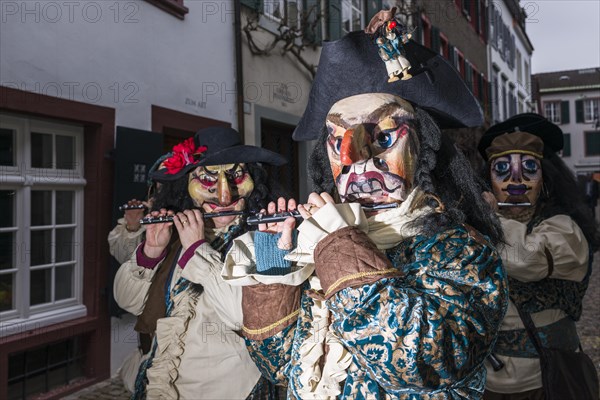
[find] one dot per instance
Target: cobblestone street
(588, 328)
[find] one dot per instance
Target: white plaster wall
(127, 55)
(124, 54)
(522, 86)
(264, 75)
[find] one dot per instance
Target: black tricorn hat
(537, 125)
(352, 65)
(221, 145)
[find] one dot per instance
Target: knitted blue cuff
(269, 258)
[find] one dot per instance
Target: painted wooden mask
(372, 147)
(216, 188)
(516, 178)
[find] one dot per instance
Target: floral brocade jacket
(414, 321)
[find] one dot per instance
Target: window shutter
(485, 22)
(451, 55)
(435, 39)
(490, 99)
(579, 111)
(312, 13)
(566, 152)
(256, 5)
(335, 19)
(373, 7)
(564, 112)
(418, 36)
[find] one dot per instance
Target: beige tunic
(524, 258)
(199, 353)
(122, 243)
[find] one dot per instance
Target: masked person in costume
(195, 316)
(391, 304)
(548, 234)
(123, 239)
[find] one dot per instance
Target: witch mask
(218, 188)
(372, 148)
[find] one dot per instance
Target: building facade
(510, 53)
(570, 99)
(77, 79)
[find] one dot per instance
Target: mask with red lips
(516, 178)
(372, 148)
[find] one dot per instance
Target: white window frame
(554, 108)
(590, 113)
(22, 178)
(269, 7)
(347, 5)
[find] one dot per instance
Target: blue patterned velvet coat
(418, 327)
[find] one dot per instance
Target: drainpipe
(239, 72)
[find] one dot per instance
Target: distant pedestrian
(591, 194)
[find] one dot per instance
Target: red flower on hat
(183, 155)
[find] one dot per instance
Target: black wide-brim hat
(223, 146)
(537, 125)
(352, 65)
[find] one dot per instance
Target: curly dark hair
(441, 170)
(174, 195)
(562, 195)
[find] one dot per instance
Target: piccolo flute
(514, 204)
(258, 218)
(278, 217)
(126, 207)
(169, 218)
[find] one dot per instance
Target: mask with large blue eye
(386, 139)
(530, 166)
(501, 167)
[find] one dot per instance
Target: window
(352, 15)
(291, 10)
(552, 111)
(41, 194)
(566, 151)
(444, 49)
(496, 95)
(460, 63)
(426, 31)
(44, 368)
(504, 98)
(590, 110)
(519, 69)
(527, 77)
(592, 143)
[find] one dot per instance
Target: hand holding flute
(133, 211)
(189, 225)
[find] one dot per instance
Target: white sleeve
(122, 243)
(131, 285)
(555, 248)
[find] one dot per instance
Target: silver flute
(169, 218)
(126, 207)
(500, 204)
(257, 218)
(281, 216)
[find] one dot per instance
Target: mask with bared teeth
(372, 148)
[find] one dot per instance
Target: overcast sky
(565, 34)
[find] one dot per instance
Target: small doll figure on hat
(390, 40)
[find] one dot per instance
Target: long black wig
(441, 170)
